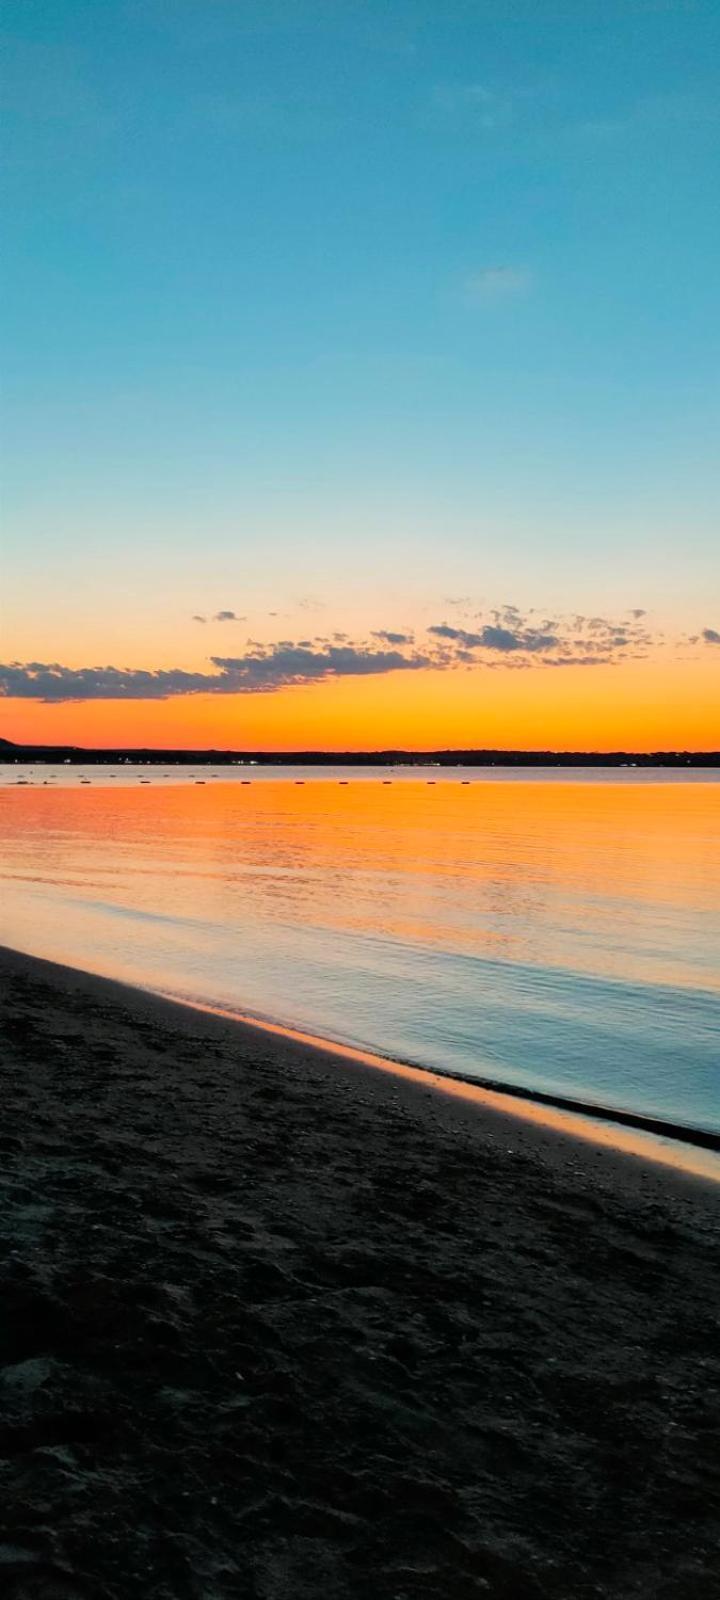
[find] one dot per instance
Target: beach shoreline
(279, 1324)
(680, 1146)
(673, 1144)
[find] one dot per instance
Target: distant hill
(76, 755)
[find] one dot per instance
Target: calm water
(549, 929)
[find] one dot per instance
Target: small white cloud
(497, 283)
(489, 109)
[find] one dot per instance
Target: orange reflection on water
(449, 923)
(611, 878)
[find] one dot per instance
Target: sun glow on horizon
(640, 705)
(339, 410)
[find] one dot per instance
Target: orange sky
(642, 705)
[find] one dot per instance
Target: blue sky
(363, 302)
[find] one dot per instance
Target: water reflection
(557, 934)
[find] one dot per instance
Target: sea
(552, 930)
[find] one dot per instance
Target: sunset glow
(644, 706)
(341, 411)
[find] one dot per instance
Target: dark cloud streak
(492, 637)
(280, 666)
(506, 640)
(392, 638)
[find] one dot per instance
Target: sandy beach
(281, 1327)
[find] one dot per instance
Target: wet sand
(282, 1327)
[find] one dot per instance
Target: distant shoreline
(131, 755)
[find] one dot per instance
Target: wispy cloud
(574, 640)
(710, 636)
(487, 108)
(497, 283)
(501, 638)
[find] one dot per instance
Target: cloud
(392, 638)
(580, 661)
(442, 630)
(492, 637)
(263, 671)
(288, 663)
(711, 635)
(477, 104)
(228, 616)
(574, 640)
(504, 639)
(497, 283)
(197, 618)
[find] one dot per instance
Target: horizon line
(12, 750)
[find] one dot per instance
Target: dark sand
(281, 1328)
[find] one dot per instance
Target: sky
(361, 373)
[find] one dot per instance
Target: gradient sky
(390, 330)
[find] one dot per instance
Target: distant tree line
(75, 755)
